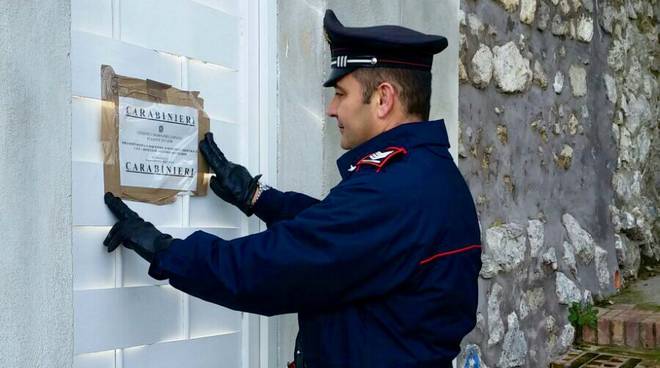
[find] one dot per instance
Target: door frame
(261, 114)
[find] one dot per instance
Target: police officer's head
(381, 76)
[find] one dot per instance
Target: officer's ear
(386, 96)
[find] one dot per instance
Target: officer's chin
(345, 145)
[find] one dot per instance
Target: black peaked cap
(378, 46)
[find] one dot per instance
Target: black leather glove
(232, 182)
(132, 231)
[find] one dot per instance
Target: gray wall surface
(308, 141)
(36, 308)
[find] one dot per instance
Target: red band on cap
(403, 62)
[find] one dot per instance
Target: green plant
(581, 315)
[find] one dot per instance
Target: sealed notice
(149, 134)
(157, 145)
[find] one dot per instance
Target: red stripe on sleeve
(449, 253)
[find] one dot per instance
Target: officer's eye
(339, 94)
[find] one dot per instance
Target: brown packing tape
(113, 86)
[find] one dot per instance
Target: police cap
(386, 46)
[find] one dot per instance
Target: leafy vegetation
(581, 315)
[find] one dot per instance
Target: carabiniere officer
(382, 271)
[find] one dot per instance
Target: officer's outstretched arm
(234, 184)
(274, 206)
(349, 246)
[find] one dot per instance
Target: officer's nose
(331, 110)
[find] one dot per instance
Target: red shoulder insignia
(380, 158)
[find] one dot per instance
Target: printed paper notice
(157, 145)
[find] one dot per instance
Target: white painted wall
(36, 307)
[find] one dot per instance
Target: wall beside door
(36, 312)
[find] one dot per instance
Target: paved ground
(644, 293)
(587, 356)
(649, 290)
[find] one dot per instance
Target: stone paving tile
(568, 359)
(588, 358)
(609, 361)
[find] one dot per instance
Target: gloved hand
(133, 231)
(232, 182)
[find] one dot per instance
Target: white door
(122, 317)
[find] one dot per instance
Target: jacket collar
(409, 135)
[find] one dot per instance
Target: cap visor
(336, 74)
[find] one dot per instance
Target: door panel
(122, 317)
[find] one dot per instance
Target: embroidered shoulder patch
(379, 158)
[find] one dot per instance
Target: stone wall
(558, 142)
(632, 87)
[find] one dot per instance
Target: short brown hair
(413, 87)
